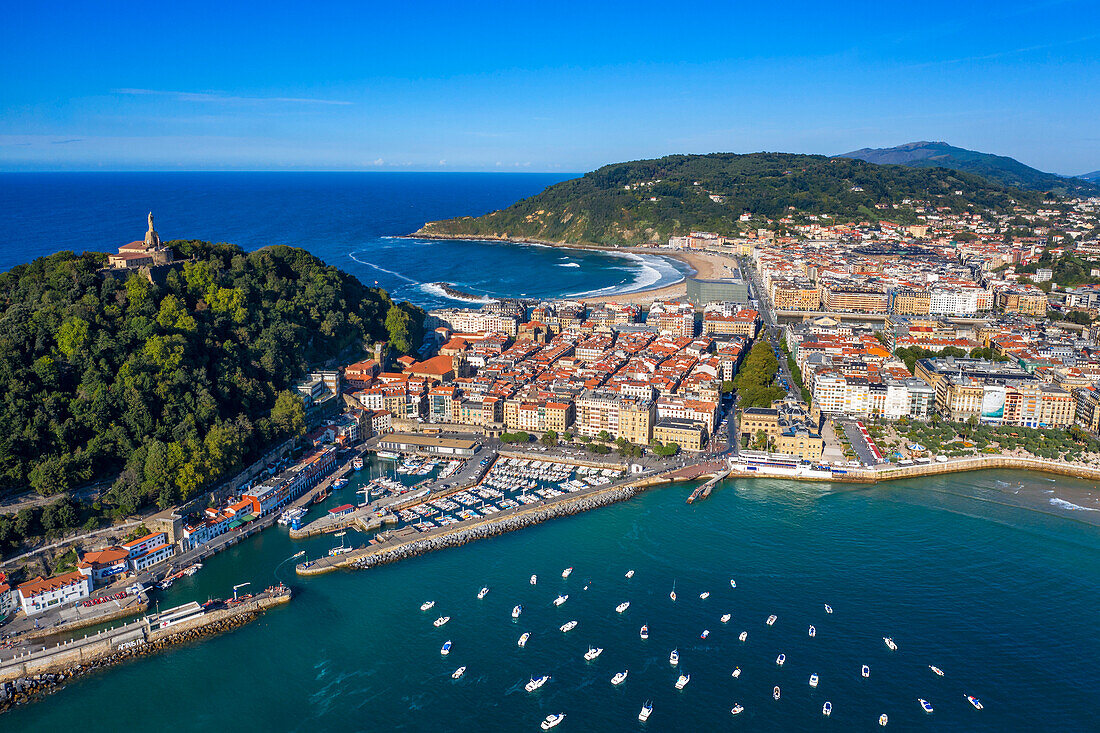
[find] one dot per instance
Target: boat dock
(703, 491)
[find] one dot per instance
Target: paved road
(859, 444)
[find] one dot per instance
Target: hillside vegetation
(646, 201)
(174, 386)
(1002, 169)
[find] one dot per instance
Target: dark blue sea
(354, 221)
(991, 576)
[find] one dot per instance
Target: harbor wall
(34, 673)
(976, 463)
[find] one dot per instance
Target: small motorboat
(552, 720)
(704, 595)
(482, 593)
(866, 671)
(772, 619)
(674, 658)
(560, 600)
(737, 709)
(828, 608)
(458, 673)
(937, 670)
(620, 677)
(523, 639)
(630, 574)
(427, 605)
(568, 626)
(592, 653)
(780, 660)
(827, 709)
(736, 672)
(743, 636)
(975, 702)
(883, 720)
(644, 632)
(672, 595)
(813, 679)
(733, 583)
(517, 611)
(646, 711)
(534, 579)
(890, 643)
(622, 606)
(682, 680)
(446, 648)
(811, 632)
(440, 621)
(725, 618)
(775, 692)
(536, 683)
(925, 704)
(567, 572)
(705, 634)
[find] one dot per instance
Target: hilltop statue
(152, 239)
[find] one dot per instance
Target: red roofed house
(104, 564)
(42, 594)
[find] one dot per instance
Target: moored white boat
(674, 658)
(883, 720)
(440, 621)
(975, 702)
(937, 670)
(736, 672)
(866, 671)
(644, 632)
(592, 653)
(646, 711)
(620, 677)
(622, 606)
(704, 595)
(705, 634)
(446, 648)
(534, 579)
(737, 709)
(813, 679)
(560, 600)
(682, 680)
(780, 660)
(523, 639)
(458, 673)
(775, 692)
(828, 608)
(427, 605)
(811, 632)
(552, 720)
(743, 636)
(827, 709)
(536, 682)
(772, 619)
(630, 573)
(890, 643)
(568, 626)
(925, 704)
(733, 583)
(725, 618)
(482, 593)
(566, 573)
(517, 611)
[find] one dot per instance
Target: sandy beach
(706, 266)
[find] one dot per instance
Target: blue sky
(538, 86)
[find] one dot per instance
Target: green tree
(73, 336)
(550, 438)
(398, 325)
(288, 416)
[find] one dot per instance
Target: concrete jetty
(703, 491)
(30, 674)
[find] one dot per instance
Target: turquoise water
(977, 573)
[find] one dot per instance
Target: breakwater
(454, 536)
(28, 676)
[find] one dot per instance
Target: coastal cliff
(646, 201)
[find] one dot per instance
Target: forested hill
(999, 168)
(647, 200)
(175, 385)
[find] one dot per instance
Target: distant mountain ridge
(646, 201)
(1094, 176)
(999, 168)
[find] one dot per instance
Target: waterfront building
(435, 445)
(700, 292)
(103, 565)
(42, 594)
(688, 434)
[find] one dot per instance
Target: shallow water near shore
(997, 590)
